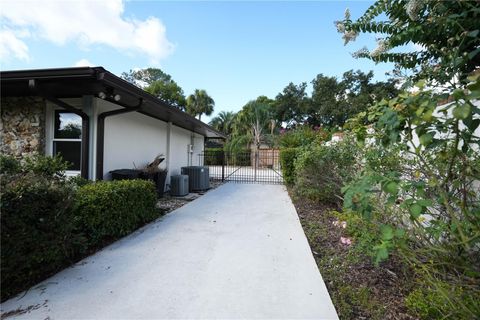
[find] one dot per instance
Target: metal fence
(261, 166)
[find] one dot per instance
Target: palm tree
(200, 103)
(252, 123)
(223, 122)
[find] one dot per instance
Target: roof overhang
(77, 82)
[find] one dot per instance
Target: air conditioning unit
(179, 185)
(198, 177)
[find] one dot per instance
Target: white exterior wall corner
(134, 138)
(179, 155)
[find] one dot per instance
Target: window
(67, 138)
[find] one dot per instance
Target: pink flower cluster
(345, 241)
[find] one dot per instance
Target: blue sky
(234, 50)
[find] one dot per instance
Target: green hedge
(37, 230)
(321, 171)
(49, 221)
(109, 210)
(287, 161)
(217, 156)
(213, 156)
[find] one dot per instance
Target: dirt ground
(359, 289)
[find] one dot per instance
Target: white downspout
(167, 156)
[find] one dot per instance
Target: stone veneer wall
(22, 126)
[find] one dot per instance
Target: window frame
(53, 140)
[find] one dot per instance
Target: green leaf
(415, 210)
(420, 84)
(387, 232)
(473, 33)
(399, 233)
(391, 187)
(474, 86)
(475, 76)
(382, 253)
(462, 111)
(426, 139)
(424, 202)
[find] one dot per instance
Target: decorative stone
(22, 126)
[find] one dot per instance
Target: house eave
(76, 82)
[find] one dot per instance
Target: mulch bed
(386, 285)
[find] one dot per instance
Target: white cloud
(83, 63)
(88, 23)
(12, 47)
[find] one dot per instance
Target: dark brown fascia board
(109, 79)
(50, 73)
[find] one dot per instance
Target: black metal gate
(260, 166)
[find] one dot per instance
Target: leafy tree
(327, 102)
(223, 122)
(159, 84)
(145, 77)
(333, 101)
(428, 201)
(291, 104)
(169, 92)
(200, 103)
(445, 35)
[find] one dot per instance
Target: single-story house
(95, 120)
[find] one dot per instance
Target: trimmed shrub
(287, 162)
(49, 221)
(213, 156)
(321, 171)
(111, 209)
(37, 229)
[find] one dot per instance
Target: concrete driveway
(237, 252)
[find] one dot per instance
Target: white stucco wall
(179, 153)
(132, 139)
(135, 138)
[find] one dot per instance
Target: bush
(213, 156)
(9, 165)
(47, 166)
(302, 136)
(38, 164)
(111, 209)
(287, 162)
(37, 229)
(434, 301)
(46, 218)
(321, 171)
